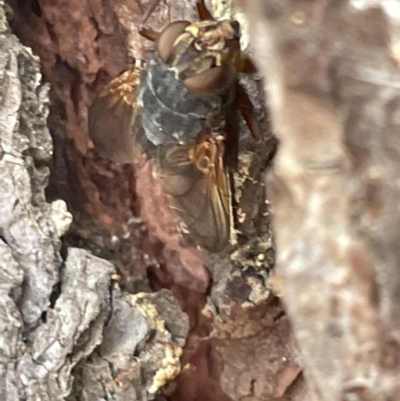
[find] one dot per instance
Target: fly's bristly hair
(176, 111)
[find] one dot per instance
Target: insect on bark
(181, 110)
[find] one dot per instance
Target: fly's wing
(114, 119)
(195, 179)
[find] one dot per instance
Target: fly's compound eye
(168, 37)
(211, 81)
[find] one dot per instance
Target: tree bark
(332, 75)
(57, 312)
(200, 326)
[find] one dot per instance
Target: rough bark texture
(55, 313)
(72, 332)
(332, 76)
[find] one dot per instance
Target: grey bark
(64, 318)
(332, 75)
(331, 70)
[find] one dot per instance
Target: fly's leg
(152, 6)
(147, 32)
(204, 14)
(231, 153)
(245, 65)
(152, 35)
(231, 162)
(247, 110)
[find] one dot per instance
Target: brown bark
(109, 345)
(332, 73)
(67, 332)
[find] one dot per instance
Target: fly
(181, 110)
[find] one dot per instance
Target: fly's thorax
(172, 113)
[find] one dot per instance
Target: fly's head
(203, 55)
(205, 45)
